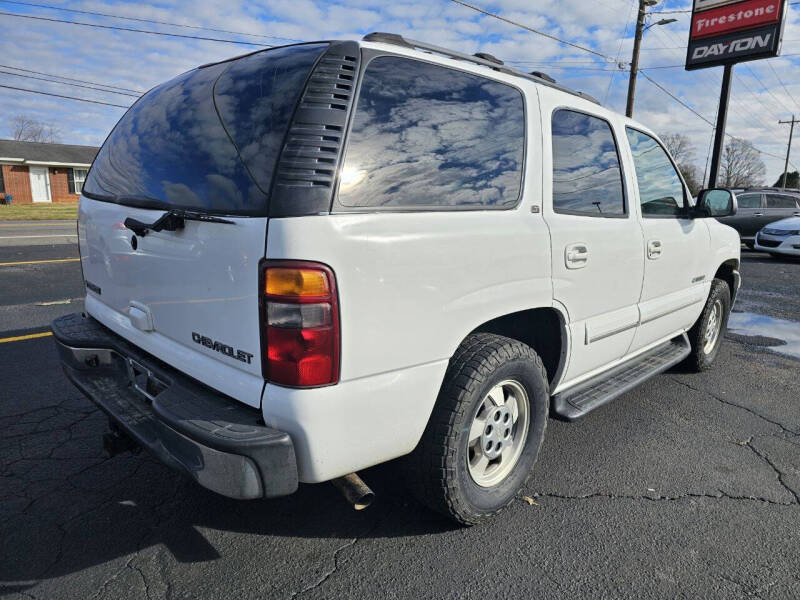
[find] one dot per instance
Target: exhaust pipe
(355, 491)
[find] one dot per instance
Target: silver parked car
(759, 208)
(781, 238)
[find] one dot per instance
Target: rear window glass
(208, 139)
(426, 136)
(778, 201)
(587, 177)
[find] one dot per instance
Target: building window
(76, 178)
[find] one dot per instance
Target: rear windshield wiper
(171, 221)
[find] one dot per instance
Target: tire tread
(430, 468)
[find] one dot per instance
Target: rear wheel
(707, 333)
(485, 431)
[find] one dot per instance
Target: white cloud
(140, 61)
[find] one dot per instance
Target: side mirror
(716, 202)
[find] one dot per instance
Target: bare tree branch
(741, 165)
(680, 147)
(682, 151)
(28, 129)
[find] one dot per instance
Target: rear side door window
(661, 191)
(427, 137)
(587, 176)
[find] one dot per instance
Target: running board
(602, 389)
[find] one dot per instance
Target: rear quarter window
(780, 201)
(430, 137)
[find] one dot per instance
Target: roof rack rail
(492, 62)
(544, 76)
(489, 57)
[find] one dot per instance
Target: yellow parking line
(39, 262)
(12, 225)
(30, 336)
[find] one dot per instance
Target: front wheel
(485, 432)
(707, 333)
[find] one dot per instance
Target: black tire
(750, 245)
(437, 471)
(701, 358)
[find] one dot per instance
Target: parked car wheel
(485, 432)
(707, 333)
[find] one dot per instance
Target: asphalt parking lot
(686, 487)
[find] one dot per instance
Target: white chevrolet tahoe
(316, 258)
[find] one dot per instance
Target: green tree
(792, 180)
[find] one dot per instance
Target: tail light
(300, 317)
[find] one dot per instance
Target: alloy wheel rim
(498, 433)
(713, 328)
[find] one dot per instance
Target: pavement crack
(660, 498)
(778, 473)
(134, 567)
(744, 408)
(349, 544)
(329, 573)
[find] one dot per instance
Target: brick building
(37, 172)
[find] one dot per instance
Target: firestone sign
(731, 31)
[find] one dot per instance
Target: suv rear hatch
(203, 145)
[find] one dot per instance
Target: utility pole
(789, 149)
(722, 118)
(637, 46)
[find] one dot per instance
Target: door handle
(576, 256)
(653, 249)
(758, 214)
(797, 214)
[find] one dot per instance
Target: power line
(788, 93)
(658, 85)
(90, 87)
(697, 114)
(131, 29)
(619, 50)
(116, 87)
(99, 14)
(532, 30)
(11, 87)
(766, 88)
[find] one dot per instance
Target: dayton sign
(730, 31)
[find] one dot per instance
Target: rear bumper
(219, 442)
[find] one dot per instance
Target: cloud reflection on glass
(429, 136)
(172, 146)
(587, 178)
(660, 189)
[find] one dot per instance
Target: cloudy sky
(763, 92)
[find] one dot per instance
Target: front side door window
(661, 191)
